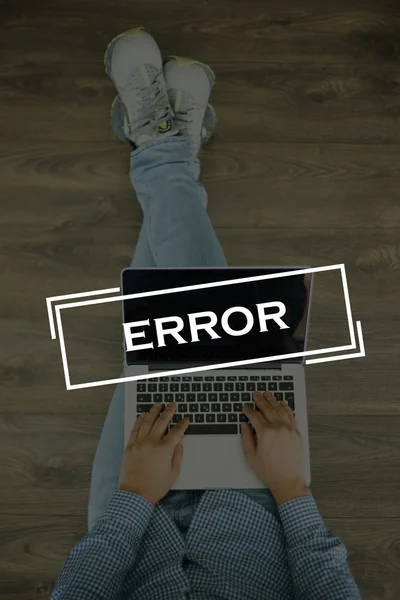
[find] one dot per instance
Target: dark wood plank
(372, 546)
(275, 102)
(46, 460)
(31, 367)
(307, 103)
(356, 32)
(33, 552)
(50, 457)
(32, 377)
(323, 186)
(370, 257)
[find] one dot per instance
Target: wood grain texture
(371, 259)
(32, 553)
(353, 185)
(255, 102)
(303, 170)
(354, 460)
(353, 32)
(32, 378)
(373, 555)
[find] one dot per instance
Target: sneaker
(119, 121)
(133, 61)
(189, 85)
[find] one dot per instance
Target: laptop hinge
(172, 367)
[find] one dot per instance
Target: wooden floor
(304, 169)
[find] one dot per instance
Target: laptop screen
(291, 291)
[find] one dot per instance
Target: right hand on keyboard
(278, 456)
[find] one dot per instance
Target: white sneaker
(133, 61)
(189, 85)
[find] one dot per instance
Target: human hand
(151, 462)
(277, 456)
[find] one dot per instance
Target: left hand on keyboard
(152, 460)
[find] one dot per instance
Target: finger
(255, 417)
(161, 425)
(292, 418)
(284, 415)
(267, 405)
(289, 413)
(135, 429)
(177, 460)
(176, 433)
(149, 420)
(280, 409)
(248, 443)
(278, 406)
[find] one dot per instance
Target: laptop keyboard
(213, 403)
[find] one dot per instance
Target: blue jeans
(176, 232)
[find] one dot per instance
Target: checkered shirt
(234, 550)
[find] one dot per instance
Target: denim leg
(143, 256)
(165, 176)
(107, 461)
(176, 232)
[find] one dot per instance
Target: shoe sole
(210, 118)
(128, 33)
(214, 114)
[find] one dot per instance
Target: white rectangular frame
(333, 349)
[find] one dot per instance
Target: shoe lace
(185, 117)
(155, 106)
(183, 121)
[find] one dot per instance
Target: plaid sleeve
(96, 567)
(317, 559)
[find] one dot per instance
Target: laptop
(212, 397)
